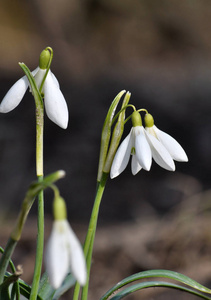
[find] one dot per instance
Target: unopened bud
(148, 120)
(44, 59)
(136, 119)
(59, 208)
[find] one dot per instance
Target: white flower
(159, 153)
(64, 254)
(136, 144)
(54, 101)
(172, 146)
(145, 144)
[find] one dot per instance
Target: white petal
(55, 104)
(173, 147)
(160, 154)
(135, 166)
(39, 76)
(142, 148)
(35, 71)
(57, 255)
(14, 95)
(77, 260)
(122, 156)
(55, 80)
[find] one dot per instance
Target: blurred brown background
(161, 52)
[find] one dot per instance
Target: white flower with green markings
(144, 144)
(64, 253)
(172, 146)
(134, 144)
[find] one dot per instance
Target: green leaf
(47, 292)
(161, 274)
(67, 284)
(24, 288)
(148, 284)
(15, 293)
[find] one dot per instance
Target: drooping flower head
(144, 144)
(134, 144)
(172, 146)
(64, 253)
(54, 101)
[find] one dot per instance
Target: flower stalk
(39, 170)
(89, 241)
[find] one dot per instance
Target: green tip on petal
(59, 208)
(148, 120)
(44, 58)
(136, 119)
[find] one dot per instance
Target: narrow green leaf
(46, 291)
(148, 284)
(25, 289)
(161, 274)
(15, 293)
(66, 285)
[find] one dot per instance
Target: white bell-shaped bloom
(176, 152)
(64, 254)
(54, 101)
(137, 145)
(172, 146)
(159, 153)
(145, 144)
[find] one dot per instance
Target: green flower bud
(44, 59)
(148, 120)
(136, 119)
(59, 208)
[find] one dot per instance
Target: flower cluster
(54, 101)
(144, 144)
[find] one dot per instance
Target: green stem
(6, 257)
(40, 246)
(89, 242)
(85, 289)
(39, 140)
(40, 217)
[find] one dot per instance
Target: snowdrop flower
(54, 101)
(136, 144)
(64, 253)
(171, 145)
(145, 144)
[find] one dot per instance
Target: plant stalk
(89, 241)
(40, 216)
